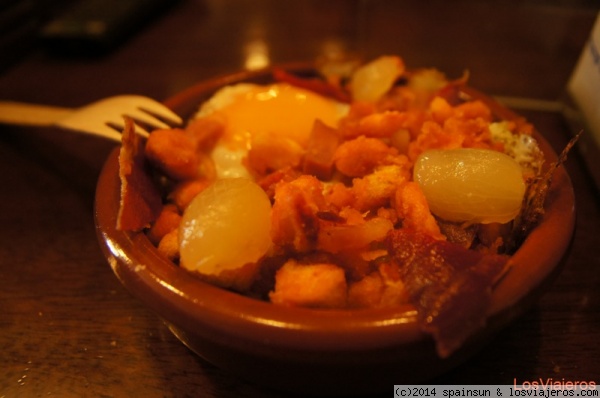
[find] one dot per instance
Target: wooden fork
(102, 118)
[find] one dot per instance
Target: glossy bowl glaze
(324, 352)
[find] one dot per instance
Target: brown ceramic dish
(316, 351)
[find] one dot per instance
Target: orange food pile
(337, 199)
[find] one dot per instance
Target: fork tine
(107, 131)
(157, 109)
(141, 116)
(105, 117)
(119, 126)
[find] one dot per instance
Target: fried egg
(250, 109)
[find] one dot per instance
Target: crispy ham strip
(449, 285)
(140, 199)
(532, 209)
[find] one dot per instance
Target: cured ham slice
(449, 285)
(140, 199)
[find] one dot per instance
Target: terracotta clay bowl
(316, 351)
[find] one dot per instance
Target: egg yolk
(276, 109)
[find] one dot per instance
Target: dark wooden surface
(69, 329)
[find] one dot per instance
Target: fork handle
(23, 114)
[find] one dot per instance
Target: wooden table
(68, 328)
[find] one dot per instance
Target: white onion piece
(371, 81)
(225, 227)
(471, 185)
